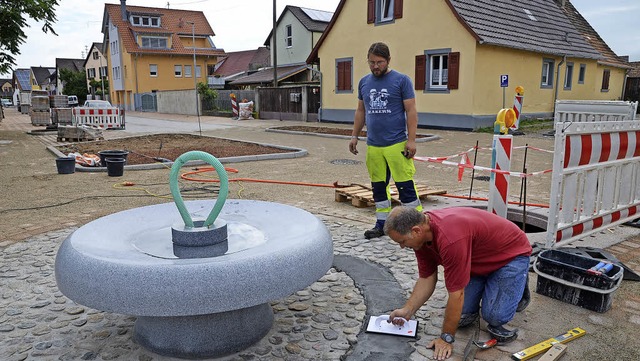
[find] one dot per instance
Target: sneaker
(525, 300)
(502, 334)
(374, 232)
(466, 319)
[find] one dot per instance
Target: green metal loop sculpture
(175, 191)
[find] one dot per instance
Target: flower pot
(115, 166)
(105, 154)
(66, 165)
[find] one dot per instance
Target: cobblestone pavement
(321, 322)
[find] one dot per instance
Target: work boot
(526, 298)
(374, 232)
(501, 334)
(466, 319)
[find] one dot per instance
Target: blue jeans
(499, 292)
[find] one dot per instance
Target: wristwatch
(447, 337)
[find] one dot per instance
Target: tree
(98, 84)
(74, 83)
(13, 21)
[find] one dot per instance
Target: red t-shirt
(469, 241)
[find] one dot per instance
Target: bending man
(485, 258)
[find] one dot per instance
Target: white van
(73, 101)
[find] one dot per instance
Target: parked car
(6, 102)
(97, 104)
(73, 101)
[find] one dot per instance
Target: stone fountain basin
(100, 266)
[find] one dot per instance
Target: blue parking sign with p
(504, 80)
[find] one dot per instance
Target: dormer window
(148, 21)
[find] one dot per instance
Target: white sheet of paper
(379, 324)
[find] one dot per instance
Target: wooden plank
(554, 352)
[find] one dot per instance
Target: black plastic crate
(563, 276)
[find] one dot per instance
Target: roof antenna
(167, 4)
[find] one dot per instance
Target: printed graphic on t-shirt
(378, 101)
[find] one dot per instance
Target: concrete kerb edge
(427, 137)
(298, 153)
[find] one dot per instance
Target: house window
(91, 73)
(149, 21)
(438, 74)
(177, 71)
(95, 55)
(583, 70)
(568, 76)
(153, 70)
(103, 71)
(605, 80)
(383, 11)
(288, 37)
(187, 71)
(344, 78)
(198, 71)
(546, 80)
(154, 42)
(386, 10)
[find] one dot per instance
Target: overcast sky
(245, 24)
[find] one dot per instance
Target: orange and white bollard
(234, 106)
(517, 106)
(501, 161)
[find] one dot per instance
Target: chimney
(624, 58)
(564, 2)
(123, 9)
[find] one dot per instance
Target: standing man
(485, 258)
(387, 103)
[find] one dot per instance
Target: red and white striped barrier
(234, 107)
(499, 183)
(596, 175)
(106, 118)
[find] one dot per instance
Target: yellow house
(462, 54)
(152, 49)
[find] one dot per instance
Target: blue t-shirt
(384, 108)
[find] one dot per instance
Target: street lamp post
(102, 78)
(195, 80)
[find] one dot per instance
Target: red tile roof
(172, 22)
(241, 61)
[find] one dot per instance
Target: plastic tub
(563, 276)
(115, 167)
(66, 165)
(105, 154)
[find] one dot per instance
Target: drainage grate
(484, 178)
(345, 162)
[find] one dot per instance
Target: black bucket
(106, 154)
(115, 166)
(66, 165)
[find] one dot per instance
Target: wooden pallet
(362, 197)
(74, 140)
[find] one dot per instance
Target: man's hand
(410, 149)
(441, 349)
(353, 146)
(398, 316)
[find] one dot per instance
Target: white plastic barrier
(596, 175)
(106, 118)
(594, 110)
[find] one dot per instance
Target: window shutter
(347, 75)
(454, 70)
(605, 79)
(397, 9)
(421, 72)
(371, 11)
(340, 75)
